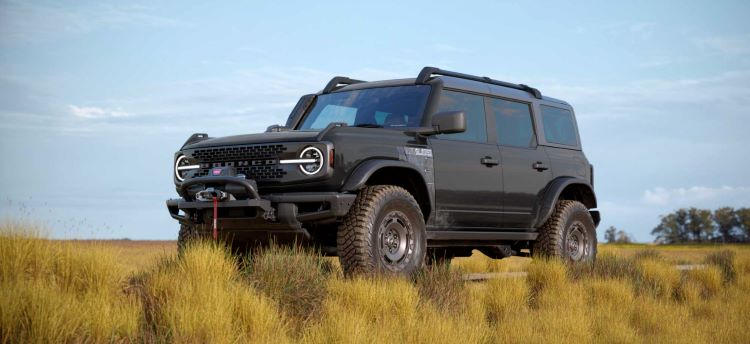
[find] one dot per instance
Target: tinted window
(473, 108)
(334, 113)
(389, 107)
(558, 126)
(513, 123)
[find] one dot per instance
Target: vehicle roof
(456, 83)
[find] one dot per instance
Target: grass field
(131, 291)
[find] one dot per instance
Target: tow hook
(209, 194)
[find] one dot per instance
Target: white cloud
(643, 30)
(725, 45)
(660, 61)
(93, 112)
(30, 21)
(697, 196)
(728, 92)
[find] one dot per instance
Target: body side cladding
(569, 185)
(363, 173)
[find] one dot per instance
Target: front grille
(258, 162)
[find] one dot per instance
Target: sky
(95, 97)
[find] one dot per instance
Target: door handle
(539, 166)
(489, 161)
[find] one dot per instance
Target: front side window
(559, 126)
(473, 108)
(513, 123)
(385, 107)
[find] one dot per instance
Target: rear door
(526, 166)
(468, 179)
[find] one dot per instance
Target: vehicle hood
(273, 137)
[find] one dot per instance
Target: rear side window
(473, 108)
(558, 126)
(513, 123)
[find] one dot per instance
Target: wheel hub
(576, 243)
(395, 237)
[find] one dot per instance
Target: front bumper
(271, 213)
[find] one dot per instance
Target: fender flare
(362, 173)
(552, 194)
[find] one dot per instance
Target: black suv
(391, 175)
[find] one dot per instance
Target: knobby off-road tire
(569, 234)
(384, 232)
(186, 235)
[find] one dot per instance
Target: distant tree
(700, 225)
(623, 237)
(743, 221)
(728, 225)
(610, 235)
(672, 228)
(614, 236)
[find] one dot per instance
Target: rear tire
(384, 232)
(569, 234)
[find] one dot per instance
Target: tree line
(614, 236)
(692, 225)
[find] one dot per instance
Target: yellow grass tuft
(201, 297)
(657, 279)
(294, 277)
(611, 303)
(52, 292)
(702, 283)
(546, 274)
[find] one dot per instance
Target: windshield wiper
(368, 125)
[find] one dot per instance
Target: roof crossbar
(428, 72)
(339, 80)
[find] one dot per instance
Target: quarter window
(559, 126)
(473, 108)
(513, 123)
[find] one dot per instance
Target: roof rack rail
(428, 72)
(339, 80)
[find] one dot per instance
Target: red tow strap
(216, 215)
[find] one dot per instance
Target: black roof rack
(427, 72)
(339, 80)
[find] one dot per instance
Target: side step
(454, 238)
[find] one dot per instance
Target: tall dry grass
(201, 296)
(294, 277)
(52, 291)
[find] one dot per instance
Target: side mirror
(449, 122)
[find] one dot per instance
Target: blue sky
(95, 97)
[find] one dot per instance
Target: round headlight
(182, 166)
(315, 156)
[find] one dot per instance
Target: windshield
(385, 107)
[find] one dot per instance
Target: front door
(468, 179)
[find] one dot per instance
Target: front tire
(569, 234)
(384, 232)
(186, 235)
